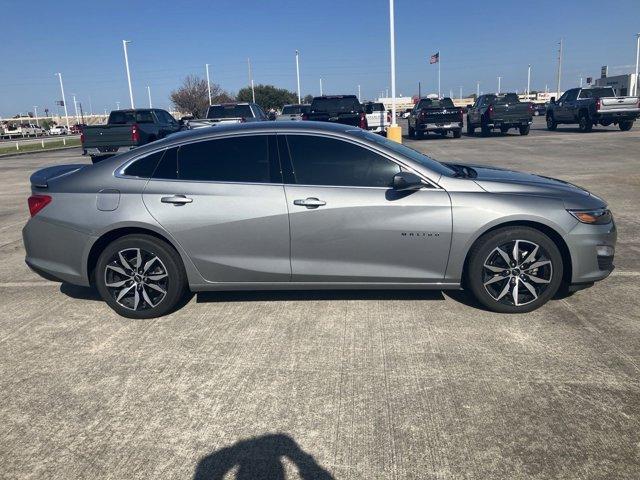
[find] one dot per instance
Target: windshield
(229, 111)
(435, 103)
(597, 92)
(345, 104)
(294, 109)
(410, 153)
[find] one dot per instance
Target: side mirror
(404, 181)
(553, 100)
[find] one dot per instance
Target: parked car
(378, 119)
(435, 115)
(77, 128)
(309, 205)
(226, 113)
(127, 129)
(293, 112)
(592, 106)
(58, 130)
(504, 111)
(23, 130)
(345, 109)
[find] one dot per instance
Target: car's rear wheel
(470, 128)
(412, 132)
(524, 129)
(584, 123)
(625, 125)
(457, 133)
(140, 276)
(504, 130)
(485, 130)
(514, 269)
(551, 122)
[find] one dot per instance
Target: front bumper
(583, 242)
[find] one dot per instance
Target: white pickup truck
(294, 112)
(23, 130)
(377, 117)
(226, 113)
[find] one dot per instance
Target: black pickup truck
(592, 106)
(127, 129)
(499, 111)
(435, 115)
(337, 109)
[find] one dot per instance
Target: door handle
(177, 199)
(310, 202)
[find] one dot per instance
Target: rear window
(125, 118)
(436, 103)
(338, 105)
(229, 111)
(295, 109)
(508, 98)
(374, 107)
(597, 92)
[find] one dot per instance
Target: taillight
(388, 117)
(363, 121)
(37, 203)
(82, 137)
(135, 133)
(490, 111)
(598, 103)
(305, 116)
(531, 108)
(461, 114)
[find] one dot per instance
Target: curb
(18, 154)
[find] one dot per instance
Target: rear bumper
(438, 127)
(56, 252)
(614, 116)
(511, 123)
(378, 128)
(100, 151)
(583, 242)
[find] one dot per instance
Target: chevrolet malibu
(306, 205)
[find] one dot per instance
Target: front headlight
(600, 216)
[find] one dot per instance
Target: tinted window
(229, 111)
(327, 161)
(168, 166)
(238, 159)
(435, 103)
(341, 104)
(597, 93)
(294, 109)
(509, 98)
(145, 166)
(123, 117)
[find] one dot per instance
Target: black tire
(551, 122)
(625, 125)
(584, 123)
(470, 128)
(419, 134)
(141, 299)
(524, 129)
(484, 130)
(457, 133)
(444, 134)
(412, 132)
(504, 130)
(488, 284)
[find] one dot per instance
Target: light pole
(460, 92)
(477, 89)
(298, 75)
(320, 86)
(394, 132)
(35, 112)
(64, 100)
(149, 93)
(253, 92)
(117, 105)
(559, 68)
(206, 65)
(499, 80)
(359, 97)
(75, 106)
(126, 62)
(635, 92)
(528, 81)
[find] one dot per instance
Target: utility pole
(64, 100)
(528, 80)
(149, 93)
(126, 62)
(580, 81)
(477, 89)
(253, 92)
(321, 86)
(75, 106)
(635, 92)
(499, 80)
(559, 68)
(208, 83)
(359, 97)
(439, 59)
(35, 112)
(419, 90)
(298, 75)
(117, 105)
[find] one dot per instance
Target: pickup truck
(344, 109)
(499, 111)
(226, 113)
(125, 130)
(378, 119)
(24, 130)
(592, 106)
(293, 112)
(437, 115)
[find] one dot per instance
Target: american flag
(435, 58)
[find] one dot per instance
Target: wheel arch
(552, 233)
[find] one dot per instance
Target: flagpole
(439, 60)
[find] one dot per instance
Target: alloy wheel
(517, 272)
(136, 279)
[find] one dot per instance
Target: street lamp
(35, 112)
(64, 100)
(149, 93)
(126, 62)
(529, 81)
(394, 132)
(298, 75)
(499, 80)
(206, 65)
(637, 60)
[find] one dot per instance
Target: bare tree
(193, 98)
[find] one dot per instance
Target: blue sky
(344, 42)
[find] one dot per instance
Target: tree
(268, 96)
(192, 97)
(307, 99)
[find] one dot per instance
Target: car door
(560, 110)
(348, 225)
(223, 200)
(569, 105)
(474, 112)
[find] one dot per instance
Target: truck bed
(104, 137)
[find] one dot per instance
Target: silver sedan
(305, 205)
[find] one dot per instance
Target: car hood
(499, 180)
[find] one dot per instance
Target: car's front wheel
(551, 122)
(140, 276)
(514, 269)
